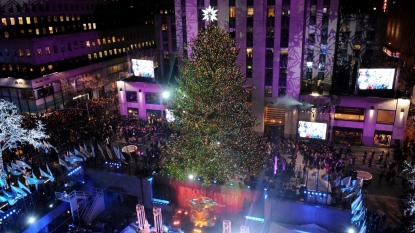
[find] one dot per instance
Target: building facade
(49, 50)
(294, 50)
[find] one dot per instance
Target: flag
(46, 175)
(46, 145)
(80, 154)
(116, 152)
(23, 164)
(358, 216)
(47, 167)
(121, 155)
(16, 167)
(22, 186)
(109, 153)
(101, 151)
(3, 182)
(7, 194)
(356, 201)
(63, 163)
(50, 146)
(357, 182)
(92, 150)
(350, 195)
(326, 177)
(83, 151)
(18, 190)
(363, 229)
(337, 181)
(346, 181)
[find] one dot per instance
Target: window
(28, 20)
(382, 138)
(21, 54)
(55, 49)
(4, 21)
(250, 12)
(152, 98)
(104, 41)
(67, 18)
(95, 56)
(100, 54)
(94, 26)
(271, 12)
(55, 18)
(105, 53)
(75, 45)
(50, 66)
(13, 52)
(50, 30)
(28, 53)
(39, 52)
(385, 117)
(164, 27)
(69, 46)
(22, 32)
(47, 50)
(110, 52)
(87, 44)
(349, 114)
(37, 31)
(6, 34)
(249, 52)
(34, 19)
(131, 96)
(82, 44)
(20, 20)
(42, 69)
(98, 41)
(44, 31)
(89, 26)
(62, 48)
(12, 21)
(93, 42)
(232, 12)
(29, 31)
(89, 56)
(113, 39)
(268, 91)
(84, 25)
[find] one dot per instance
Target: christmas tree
(215, 138)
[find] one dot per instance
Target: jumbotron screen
(143, 68)
(376, 79)
(314, 130)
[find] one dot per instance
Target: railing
(98, 193)
(74, 194)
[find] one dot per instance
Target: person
(384, 217)
(364, 157)
(381, 156)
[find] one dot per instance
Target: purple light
(275, 165)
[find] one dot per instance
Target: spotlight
(31, 220)
(191, 177)
(351, 230)
(214, 181)
(51, 205)
(248, 187)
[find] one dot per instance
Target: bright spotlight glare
(51, 205)
(351, 230)
(191, 177)
(166, 94)
(31, 220)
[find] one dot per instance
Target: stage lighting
(191, 177)
(351, 230)
(31, 220)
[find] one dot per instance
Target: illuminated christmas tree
(216, 140)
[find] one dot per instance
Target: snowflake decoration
(210, 14)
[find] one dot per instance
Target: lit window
(232, 12)
(122, 38)
(115, 51)
(39, 52)
(42, 69)
(30, 32)
(100, 54)
(55, 18)
(119, 50)
(37, 31)
(110, 52)
(49, 19)
(98, 41)
(21, 54)
(84, 26)
(67, 18)
(87, 44)
(61, 18)
(123, 50)
(109, 40)
(35, 19)
(73, 17)
(105, 53)
(104, 41)
(164, 27)
(152, 42)
(249, 52)
(4, 21)
(28, 53)
(268, 91)
(50, 66)
(44, 31)
(20, 20)
(93, 42)
(22, 32)
(6, 34)
(47, 50)
(89, 26)
(28, 20)
(95, 55)
(63, 28)
(50, 30)
(10, 67)
(250, 12)
(94, 25)
(78, 17)
(89, 56)
(113, 39)
(12, 21)
(271, 12)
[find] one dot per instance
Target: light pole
(74, 83)
(165, 95)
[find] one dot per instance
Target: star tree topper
(210, 14)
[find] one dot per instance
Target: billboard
(314, 130)
(375, 79)
(142, 68)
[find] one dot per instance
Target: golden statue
(202, 211)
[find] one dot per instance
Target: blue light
(305, 192)
(320, 194)
(324, 194)
(266, 196)
(261, 220)
(265, 189)
(14, 210)
(248, 187)
(198, 179)
(160, 201)
(231, 184)
(214, 181)
(4, 217)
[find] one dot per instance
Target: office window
(37, 31)
(104, 41)
(47, 50)
(100, 54)
(93, 42)
(98, 41)
(89, 26)
(110, 52)
(232, 12)
(50, 30)
(34, 19)
(67, 18)
(50, 66)
(87, 44)
(115, 51)
(61, 18)
(6, 34)
(49, 19)
(84, 26)
(12, 21)
(22, 32)
(69, 46)
(113, 39)
(55, 18)
(249, 52)
(75, 45)
(164, 27)
(39, 52)
(94, 26)
(55, 49)
(13, 52)
(349, 114)
(21, 54)
(89, 56)
(44, 31)
(268, 91)
(250, 12)
(78, 17)
(81, 44)
(95, 55)
(131, 96)
(28, 20)
(4, 21)
(62, 48)
(63, 28)
(28, 54)
(42, 69)
(73, 17)
(385, 117)
(105, 53)
(20, 20)
(30, 32)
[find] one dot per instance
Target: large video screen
(143, 68)
(314, 130)
(376, 79)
